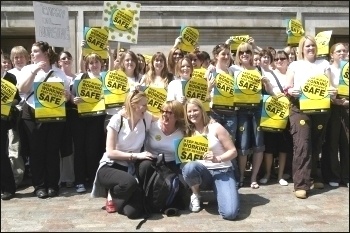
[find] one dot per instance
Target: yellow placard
(115, 88)
(190, 148)
(121, 19)
(223, 91)
(148, 58)
(322, 41)
(294, 31)
(91, 92)
(199, 73)
(156, 97)
(247, 88)
(96, 41)
(237, 40)
(8, 92)
(274, 113)
(314, 95)
(343, 88)
(196, 88)
(190, 37)
(49, 101)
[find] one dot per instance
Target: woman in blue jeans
(215, 171)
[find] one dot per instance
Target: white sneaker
(283, 182)
(195, 204)
(80, 188)
(334, 184)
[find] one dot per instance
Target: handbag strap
(278, 82)
(46, 78)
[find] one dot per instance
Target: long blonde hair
(179, 113)
(131, 100)
(300, 55)
(190, 127)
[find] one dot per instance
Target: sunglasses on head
(280, 58)
(247, 52)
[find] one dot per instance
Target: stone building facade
(160, 22)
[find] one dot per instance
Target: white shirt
(335, 74)
(57, 76)
(129, 140)
(303, 70)
(18, 75)
(175, 90)
(157, 142)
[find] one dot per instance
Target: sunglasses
(166, 112)
(280, 58)
(135, 92)
(180, 54)
(247, 52)
(65, 58)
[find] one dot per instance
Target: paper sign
(190, 148)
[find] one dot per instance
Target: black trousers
(7, 179)
(89, 143)
(44, 141)
(123, 188)
(337, 140)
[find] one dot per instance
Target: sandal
(254, 185)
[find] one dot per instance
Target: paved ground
(271, 208)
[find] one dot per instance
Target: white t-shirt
(217, 148)
(129, 140)
(57, 76)
(175, 91)
(303, 70)
(157, 142)
(17, 73)
(335, 74)
(282, 78)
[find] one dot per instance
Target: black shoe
(41, 193)
(52, 193)
(7, 196)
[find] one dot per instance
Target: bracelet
(220, 159)
(33, 72)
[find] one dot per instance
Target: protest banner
(196, 88)
(274, 113)
(190, 37)
(51, 24)
(190, 148)
(156, 97)
(294, 32)
(148, 58)
(236, 41)
(322, 42)
(8, 92)
(198, 73)
(343, 88)
(91, 92)
(115, 88)
(96, 41)
(247, 88)
(49, 101)
(314, 95)
(223, 96)
(121, 19)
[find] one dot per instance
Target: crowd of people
(106, 152)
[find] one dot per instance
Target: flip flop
(254, 185)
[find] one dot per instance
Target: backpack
(161, 189)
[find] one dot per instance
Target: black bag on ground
(161, 189)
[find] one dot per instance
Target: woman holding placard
(44, 137)
(276, 142)
(215, 170)
(334, 170)
(249, 138)
(308, 130)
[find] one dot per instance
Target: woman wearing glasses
(275, 142)
(169, 127)
(126, 133)
(174, 56)
(336, 170)
(249, 138)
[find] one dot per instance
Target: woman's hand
(67, 95)
(144, 155)
(182, 99)
(332, 92)
(83, 43)
(178, 40)
(208, 156)
(294, 92)
(77, 100)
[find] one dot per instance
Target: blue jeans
(250, 138)
(223, 183)
(229, 122)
